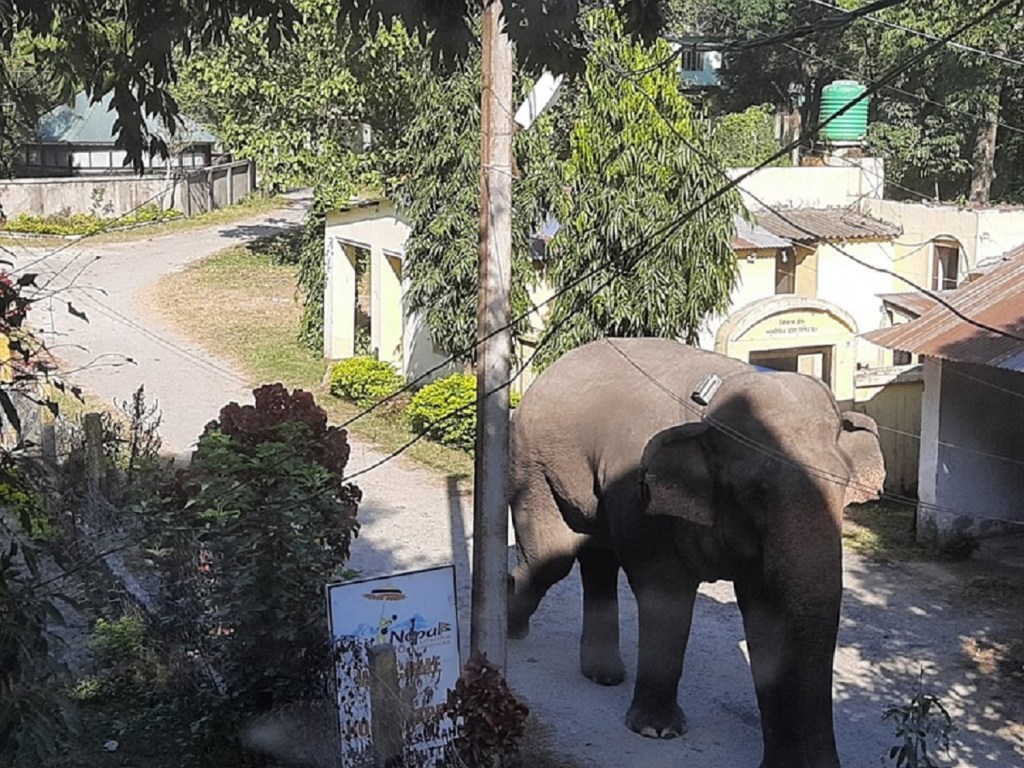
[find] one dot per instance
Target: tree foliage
(28, 87)
(631, 172)
(746, 138)
(31, 722)
(936, 125)
(440, 195)
(135, 49)
(301, 110)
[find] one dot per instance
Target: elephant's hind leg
(600, 659)
(546, 549)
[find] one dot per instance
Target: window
(899, 357)
(945, 266)
(693, 60)
(785, 272)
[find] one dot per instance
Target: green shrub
(747, 138)
(67, 223)
(119, 638)
(262, 518)
(364, 380)
(88, 688)
(445, 410)
(21, 494)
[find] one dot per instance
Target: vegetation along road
(948, 625)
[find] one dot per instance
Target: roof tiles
(804, 225)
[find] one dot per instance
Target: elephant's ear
(675, 478)
(858, 442)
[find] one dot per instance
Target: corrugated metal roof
(911, 304)
(83, 122)
(804, 225)
(995, 300)
(750, 237)
(993, 262)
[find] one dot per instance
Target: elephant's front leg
(665, 595)
(599, 644)
(791, 636)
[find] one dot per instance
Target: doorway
(811, 361)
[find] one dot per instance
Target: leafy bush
(445, 410)
(67, 223)
(920, 723)
(747, 138)
(261, 520)
(489, 720)
(364, 380)
(32, 723)
(21, 495)
(120, 637)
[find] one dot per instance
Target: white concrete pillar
(339, 301)
(929, 465)
(388, 312)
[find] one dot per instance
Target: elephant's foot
(518, 613)
(518, 628)
(656, 722)
(602, 666)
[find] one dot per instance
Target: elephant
(681, 466)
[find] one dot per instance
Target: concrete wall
(217, 186)
(398, 334)
(46, 197)
(116, 195)
(972, 451)
(820, 186)
(983, 233)
(855, 288)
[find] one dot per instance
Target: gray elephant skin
(615, 465)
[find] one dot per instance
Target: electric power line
(927, 36)
(890, 75)
(924, 99)
(781, 457)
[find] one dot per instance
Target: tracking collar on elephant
(709, 387)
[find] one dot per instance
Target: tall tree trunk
(983, 160)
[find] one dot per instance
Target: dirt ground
(957, 628)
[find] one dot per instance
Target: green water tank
(852, 125)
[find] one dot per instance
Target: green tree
(440, 196)
(300, 111)
(295, 110)
(746, 138)
(631, 171)
(940, 125)
(28, 88)
(135, 49)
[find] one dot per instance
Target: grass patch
(884, 531)
(253, 205)
(257, 332)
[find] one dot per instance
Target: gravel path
(896, 621)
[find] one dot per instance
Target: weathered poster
(416, 614)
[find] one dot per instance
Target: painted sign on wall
(416, 614)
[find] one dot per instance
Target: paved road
(895, 620)
(118, 347)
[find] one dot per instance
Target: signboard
(416, 614)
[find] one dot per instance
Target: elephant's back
(607, 398)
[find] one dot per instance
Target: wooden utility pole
(490, 492)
